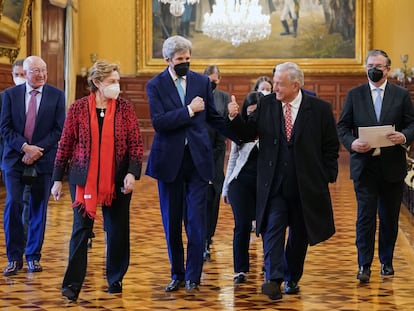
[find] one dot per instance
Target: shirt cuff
(21, 149)
(190, 111)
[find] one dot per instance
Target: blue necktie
(180, 89)
(378, 103)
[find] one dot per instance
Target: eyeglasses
(380, 67)
(37, 71)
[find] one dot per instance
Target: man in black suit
(295, 166)
(378, 173)
(218, 141)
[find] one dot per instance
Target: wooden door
(53, 43)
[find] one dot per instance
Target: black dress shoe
(115, 288)
(239, 278)
(191, 287)
(174, 285)
(387, 269)
(13, 267)
(291, 287)
(272, 290)
(70, 292)
(364, 274)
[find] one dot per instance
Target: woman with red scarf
(101, 148)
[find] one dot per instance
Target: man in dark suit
(181, 158)
(378, 173)
(221, 100)
(298, 152)
(31, 123)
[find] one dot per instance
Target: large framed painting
(331, 36)
(13, 19)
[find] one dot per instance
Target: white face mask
(112, 91)
(264, 92)
(19, 80)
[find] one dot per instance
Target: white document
(375, 136)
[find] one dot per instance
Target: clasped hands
(360, 146)
(32, 153)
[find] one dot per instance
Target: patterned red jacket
(75, 144)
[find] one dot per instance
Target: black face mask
(213, 85)
(181, 69)
(375, 74)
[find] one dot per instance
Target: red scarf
(100, 181)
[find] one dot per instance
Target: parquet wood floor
(329, 281)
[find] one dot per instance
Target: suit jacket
(221, 100)
(47, 131)
(316, 146)
(358, 111)
(1, 137)
(174, 126)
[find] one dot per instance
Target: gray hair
(212, 69)
(175, 44)
(30, 60)
(377, 53)
(295, 74)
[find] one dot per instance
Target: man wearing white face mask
(18, 78)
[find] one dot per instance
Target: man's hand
(360, 146)
(32, 153)
(396, 138)
(233, 107)
(197, 104)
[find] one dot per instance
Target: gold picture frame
(321, 50)
(14, 15)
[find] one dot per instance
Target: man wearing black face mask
(181, 158)
(218, 141)
(378, 173)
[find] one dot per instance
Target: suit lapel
(386, 102)
(276, 115)
(168, 83)
(43, 104)
(366, 99)
(301, 118)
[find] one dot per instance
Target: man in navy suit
(298, 152)
(378, 173)
(181, 158)
(23, 148)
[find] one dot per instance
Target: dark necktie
(288, 121)
(378, 103)
(31, 116)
